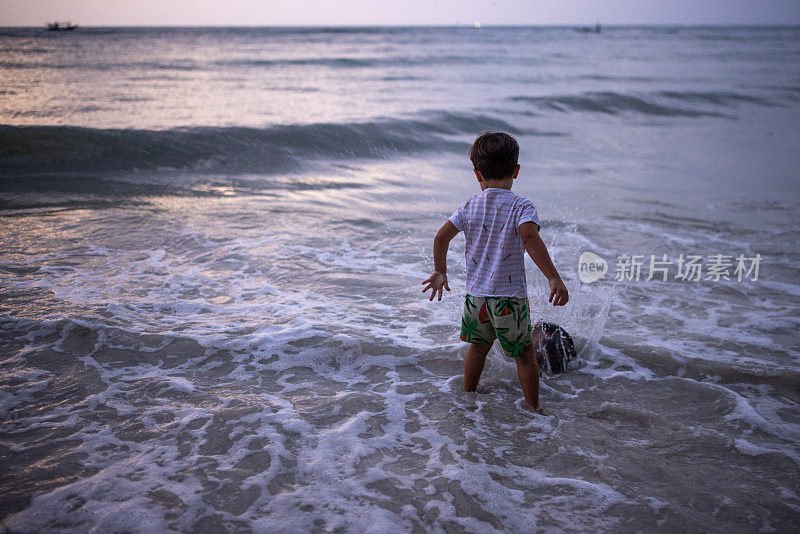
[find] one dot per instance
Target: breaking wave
(26, 150)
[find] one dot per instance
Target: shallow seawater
(212, 244)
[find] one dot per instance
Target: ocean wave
(101, 66)
(248, 63)
(26, 150)
(325, 61)
(718, 98)
(663, 103)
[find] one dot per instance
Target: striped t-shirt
(495, 254)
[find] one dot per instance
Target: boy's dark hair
(495, 155)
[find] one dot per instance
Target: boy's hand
(558, 292)
(437, 281)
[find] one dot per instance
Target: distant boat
(596, 29)
(60, 26)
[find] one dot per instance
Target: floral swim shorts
(504, 318)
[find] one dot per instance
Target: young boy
(497, 225)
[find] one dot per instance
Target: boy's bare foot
(540, 410)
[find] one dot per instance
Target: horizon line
(455, 24)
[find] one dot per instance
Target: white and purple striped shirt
(494, 253)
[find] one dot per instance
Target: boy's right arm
(538, 251)
(441, 243)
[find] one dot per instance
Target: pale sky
(377, 12)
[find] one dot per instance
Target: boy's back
(494, 250)
(498, 226)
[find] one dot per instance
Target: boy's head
(495, 155)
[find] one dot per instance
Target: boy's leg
(473, 364)
(528, 373)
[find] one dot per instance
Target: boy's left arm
(537, 250)
(441, 243)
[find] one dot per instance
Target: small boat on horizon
(60, 26)
(596, 29)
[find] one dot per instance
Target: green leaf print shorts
(504, 318)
